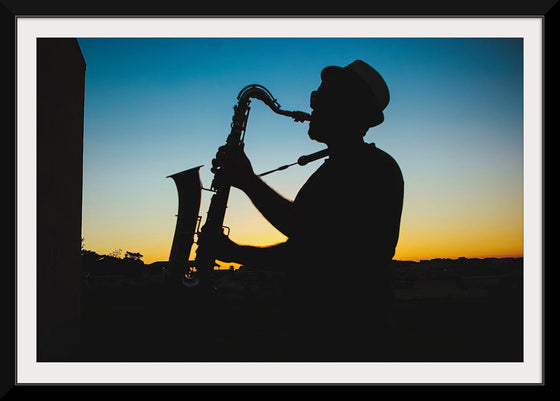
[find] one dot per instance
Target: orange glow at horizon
(420, 247)
(426, 233)
(413, 245)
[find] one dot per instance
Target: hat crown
(373, 79)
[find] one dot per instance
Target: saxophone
(198, 272)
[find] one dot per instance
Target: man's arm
(279, 211)
(272, 258)
(236, 169)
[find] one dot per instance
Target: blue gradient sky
(155, 107)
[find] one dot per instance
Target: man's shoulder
(379, 156)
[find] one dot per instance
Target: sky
(158, 106)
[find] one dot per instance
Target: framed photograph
(111, 110)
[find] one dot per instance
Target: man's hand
(233, 166)
(219, 245)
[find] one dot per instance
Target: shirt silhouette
(342, 227)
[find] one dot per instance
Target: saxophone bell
(189, 191)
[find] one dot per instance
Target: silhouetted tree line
(94, 264)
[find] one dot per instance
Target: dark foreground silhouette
(445, 311)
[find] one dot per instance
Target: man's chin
(318, 133)
(314, 135)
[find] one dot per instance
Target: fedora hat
(360, 74)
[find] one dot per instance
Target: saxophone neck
(264, 95)
(258, 92)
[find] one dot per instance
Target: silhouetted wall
(60, 118)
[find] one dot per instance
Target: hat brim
(339, 74)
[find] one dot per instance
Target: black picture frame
(12, 9)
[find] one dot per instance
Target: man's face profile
(334, 110)
(326, 114)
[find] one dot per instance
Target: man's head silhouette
(348, 102)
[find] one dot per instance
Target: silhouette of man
(342, 227)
